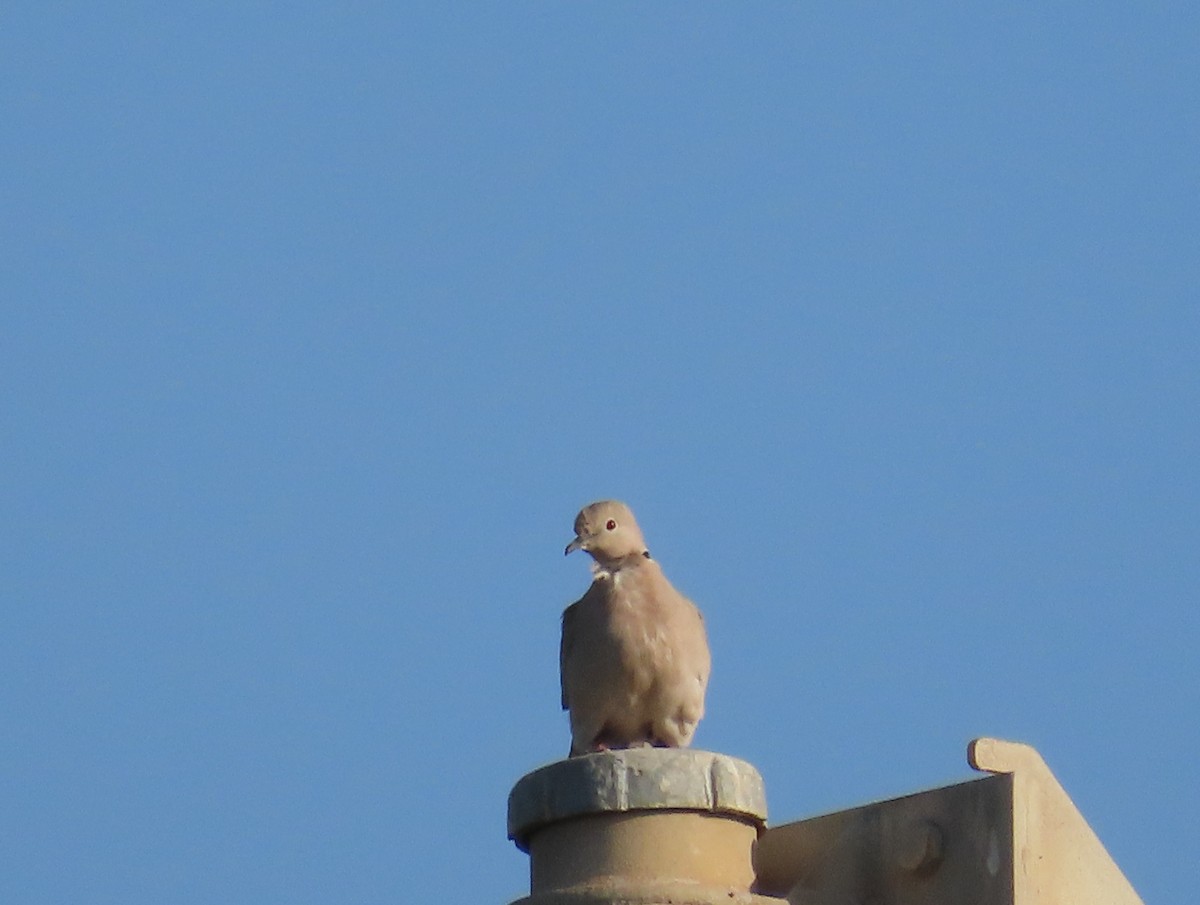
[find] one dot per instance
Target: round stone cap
(635, 779)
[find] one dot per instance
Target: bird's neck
(612, 567)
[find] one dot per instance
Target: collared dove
(634, 658)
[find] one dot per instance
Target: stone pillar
(641, 826)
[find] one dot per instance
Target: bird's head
(608, 532)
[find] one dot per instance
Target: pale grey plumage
(634, 658)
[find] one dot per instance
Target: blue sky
(320, 323)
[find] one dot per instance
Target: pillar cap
(635, 779)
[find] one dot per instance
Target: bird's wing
(564, 648)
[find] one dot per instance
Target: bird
(634, 659)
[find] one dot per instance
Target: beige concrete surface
(1058, 859)
(635, 779)
(677, 827)
(943, 846)
(1011, 838)
(639, 827)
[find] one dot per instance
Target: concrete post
(640, 827)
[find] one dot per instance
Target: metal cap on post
(643, 825)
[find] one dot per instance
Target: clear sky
(318, 324)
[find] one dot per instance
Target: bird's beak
(574, 545)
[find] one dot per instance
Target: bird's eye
(612, 525)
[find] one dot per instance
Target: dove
(634, 658)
